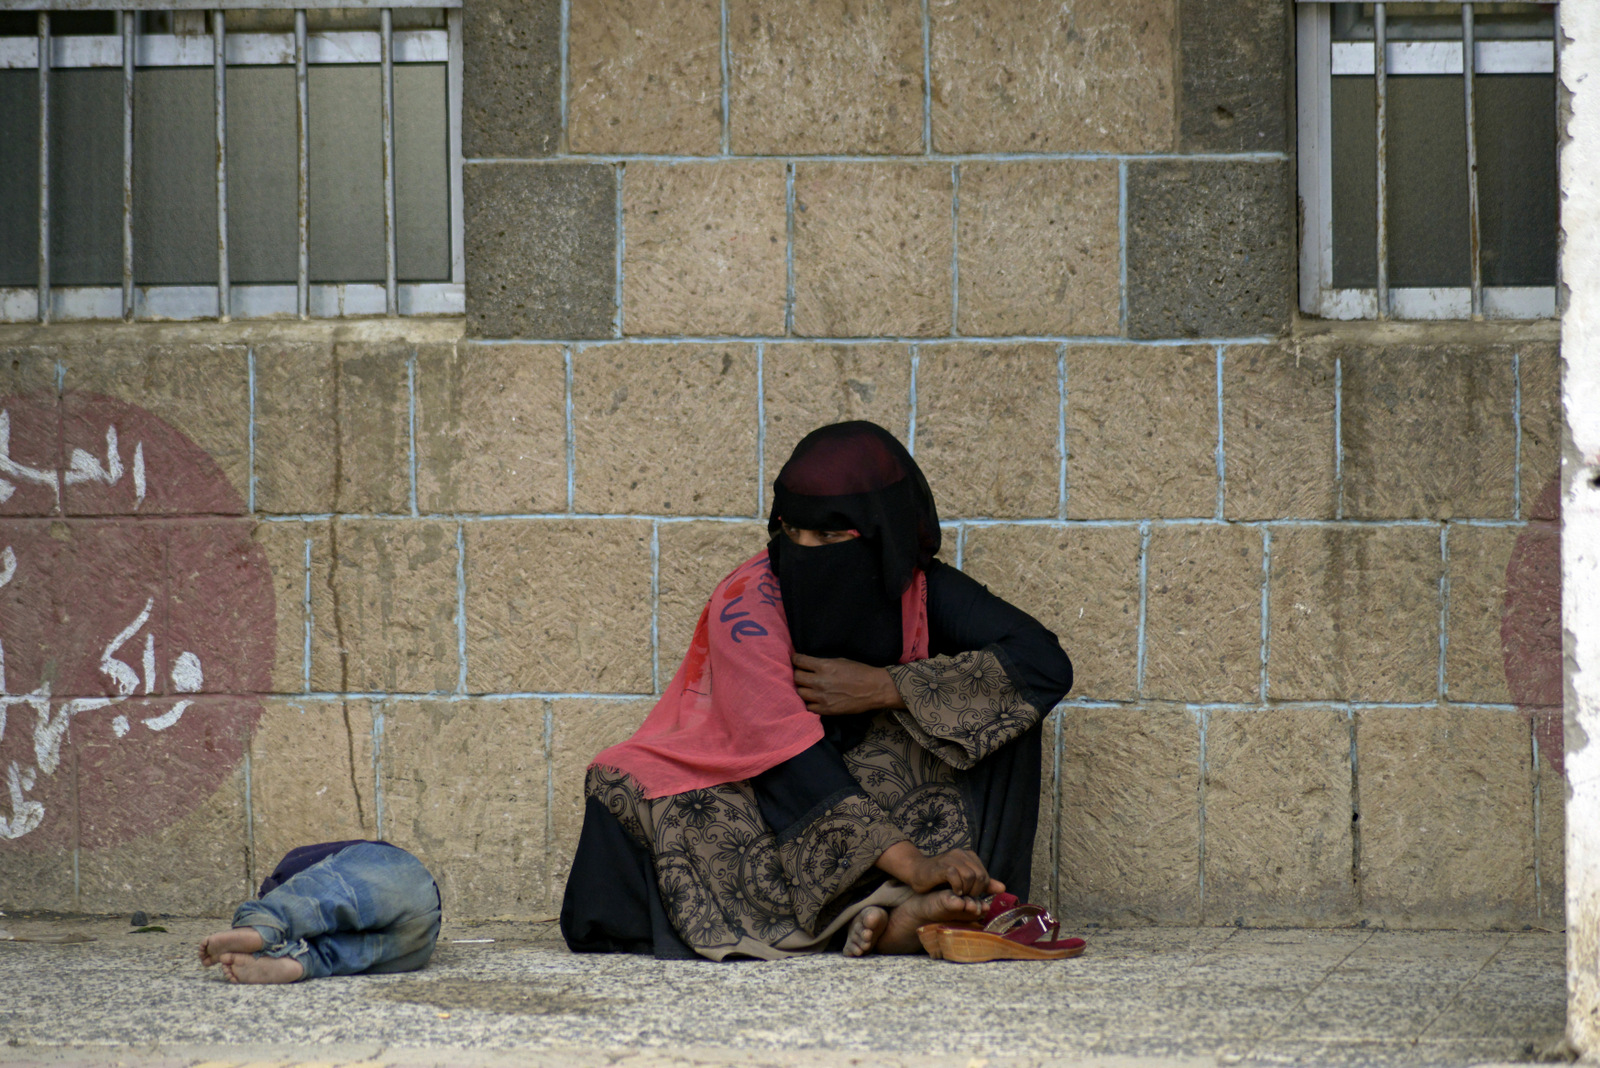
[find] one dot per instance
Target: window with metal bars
(177, 162)
(1427, 136)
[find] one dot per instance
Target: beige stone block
(1353, 614)
(491, 428)
(1038, 248)
(1407, 410)
(581, 727)
(872, 245)
(201, 390)
(824, 76)
(1203, 614)
(284, 545)
(645, 76)
(1539, 369)
(1130, 816)
(1474, 666)
(383, 606)
(558, 606)
(988, 428)
(1082, 583)
(332, 428)
(706, 248)
(313, 777)
(693, 558)
(812, 385)
(1278, 428)
(465, 788)
(1446, 804)
(1141, 432)
(665, 429)
(36, 879)
(1097, 77)
(1278, 840)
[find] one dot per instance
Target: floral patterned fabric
(961, 708)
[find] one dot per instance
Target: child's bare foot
(865, 930)
(936, 906)
(233, 940)
(248, 968)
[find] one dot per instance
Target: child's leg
(362, 892)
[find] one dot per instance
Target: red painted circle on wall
(1530, 625)
(136, 623)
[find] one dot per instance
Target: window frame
(299, 300)
(1318, 296)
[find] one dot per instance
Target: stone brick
(1038, 248)
(33, 411)
(1211, 248)
(284, 545)
(1540, 374)
(1529, 615)
(555, 605)
(808, 386)
(1278, 428)
(824, 76)
(1353, 614)
(36, 880)
(36, 853)
(203, 391)
(1130, 816)
(988, 428)
(581, 727)
(1236, 59)
(541, 250)
(312, 777)
(383, 606)
(1203, 614)
(1141, 432)
(333, 428)
(646, 76)
(1278, 840)
(706, 248)
(465, 788)
(195, 865)
(1082, 583)
(665, 429)
(491, 428)
(693, 558)
(1428, 432)
(1036, 78)
(1475, 668)
(872, 245)
(511, 78)
(220, 608)
(1446, 816)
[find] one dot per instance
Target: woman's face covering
(834, 601)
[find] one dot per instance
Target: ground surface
(1141, 997)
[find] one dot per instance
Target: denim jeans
(368, 908)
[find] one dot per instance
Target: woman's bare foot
(865, 930)
(936, 906)
(233, 940)
(248, 968)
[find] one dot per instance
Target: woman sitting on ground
(849, 750)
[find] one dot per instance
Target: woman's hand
(838, 687)
(959, 869)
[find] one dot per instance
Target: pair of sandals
(1009, 930)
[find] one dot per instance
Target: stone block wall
(424, 571)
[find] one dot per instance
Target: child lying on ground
(336, 908)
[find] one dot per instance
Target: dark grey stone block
(541, 249)
(1236, 63)
(1211, 248)
(511, 78)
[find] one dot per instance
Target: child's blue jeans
(368, 908)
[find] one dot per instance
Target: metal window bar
(1468, 73)
(391, 298)
(220, 76)
(44, 167)
(130, 24)
(302, 119)
(1381, 95)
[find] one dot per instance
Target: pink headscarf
(732, 710)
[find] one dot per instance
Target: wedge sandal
(1010, 930)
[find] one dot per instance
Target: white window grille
(173, 161)
(1427, 160)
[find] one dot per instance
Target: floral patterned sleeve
(963, 707)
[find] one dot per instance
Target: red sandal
(1009, 930)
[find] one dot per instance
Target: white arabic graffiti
(52, 718)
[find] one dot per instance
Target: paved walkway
(1139, 997)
